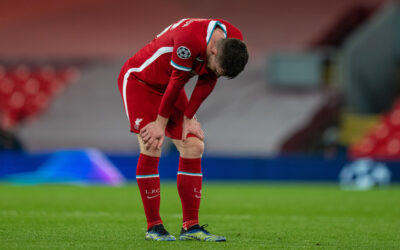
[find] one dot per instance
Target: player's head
(229, 57)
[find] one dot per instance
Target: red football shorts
(141, 104)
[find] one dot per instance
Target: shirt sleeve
(186, 49)
(204, 86)
(177, 81)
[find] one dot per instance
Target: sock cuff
(190, 165)
(149, 158)
(153, 223)
(147, 166)
(188, 224)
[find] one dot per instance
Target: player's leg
(148, 181)
(141, 103)
(189, 183)
(189, 180)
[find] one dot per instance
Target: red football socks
(189, 189)
(149, 185)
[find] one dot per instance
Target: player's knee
(154, 153)
(149, 152)
(192, 148)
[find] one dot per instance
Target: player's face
(216, 68)
(212, 61)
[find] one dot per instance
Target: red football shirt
(174, 56)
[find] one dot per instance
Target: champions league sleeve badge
(183, 52)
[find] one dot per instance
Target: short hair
(233, 57)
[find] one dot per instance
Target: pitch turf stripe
(191, 174)
(156, 55)
(147, 176)
(180, 67)
(211, 27)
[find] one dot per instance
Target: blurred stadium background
(320, 91)
(318, 102)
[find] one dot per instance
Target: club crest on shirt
(183, 52)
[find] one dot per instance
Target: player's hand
(191, 126)
(153, 135)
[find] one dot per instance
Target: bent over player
(152, 88)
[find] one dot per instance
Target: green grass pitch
(251, 216)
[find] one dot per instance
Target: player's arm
(153, 133)
(186, 49)
(204, 86)
(176, 83)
